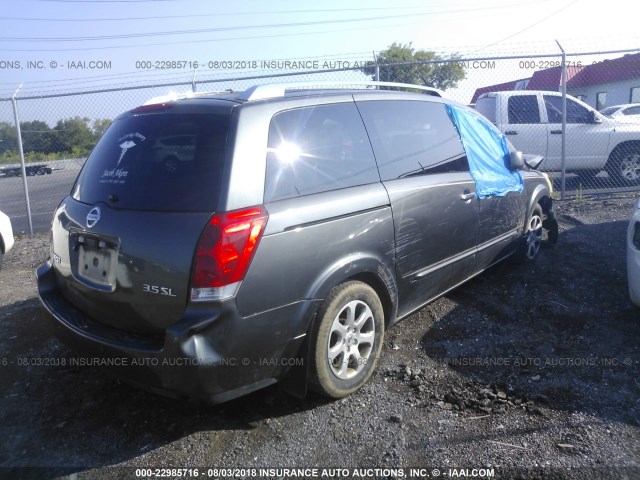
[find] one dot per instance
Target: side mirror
(516, 161)
(594, 117)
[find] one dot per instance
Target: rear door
(123, 242)
(435, 211)
(525, 128)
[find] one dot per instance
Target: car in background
(532, 121)
(629, 112)
(174, 149)
(633, 256)
(6, 236)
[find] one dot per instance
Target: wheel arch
(623, 146)
(541, 195)
(366, 268)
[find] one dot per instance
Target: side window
(576, 113)
(412, 138)
(317, 149)
(487, 107)
(631, 111)
(523, 109)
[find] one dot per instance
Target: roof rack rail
(274, 90)
(172, 97)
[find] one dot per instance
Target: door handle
(556, 132)
(467, 196)
(511, 132)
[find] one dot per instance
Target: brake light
(225, 251)
(147, 107)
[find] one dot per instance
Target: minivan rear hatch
(124, 241)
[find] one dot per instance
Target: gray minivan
(300, 224)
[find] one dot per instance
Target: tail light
(224, 253)
(636, 235)
(147, 107)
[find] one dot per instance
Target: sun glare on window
(287, 152)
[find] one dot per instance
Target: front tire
(530, 246)
(347, 340)
(624, 165)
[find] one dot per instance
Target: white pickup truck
(532, 121)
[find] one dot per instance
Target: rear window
(523, 109)
(317, 149)
(609, 110)
(162, 161)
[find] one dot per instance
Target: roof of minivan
(284, 90)
(226, 101)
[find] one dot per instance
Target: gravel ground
(529, 370)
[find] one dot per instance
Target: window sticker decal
(127, 142)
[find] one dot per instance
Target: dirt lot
(529, 370)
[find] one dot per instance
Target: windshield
(609, 111)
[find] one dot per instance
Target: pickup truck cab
(532, 121)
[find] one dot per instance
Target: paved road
(45, 193)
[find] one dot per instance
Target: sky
(56, 46)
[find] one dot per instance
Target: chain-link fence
(585, 151)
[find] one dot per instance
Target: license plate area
(96, 261)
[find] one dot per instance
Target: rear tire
(347, 340)
(624, 165)
(530, 246)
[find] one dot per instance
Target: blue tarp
(488, 154)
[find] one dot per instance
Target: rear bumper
(212, 353)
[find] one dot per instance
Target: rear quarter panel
(314, 243)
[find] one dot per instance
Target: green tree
(8, 141)
(442, 75)
(99, 127)
(36, 137)
(73, 135)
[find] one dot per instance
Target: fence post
(377, 72)
(563, 153)
(21, 152)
